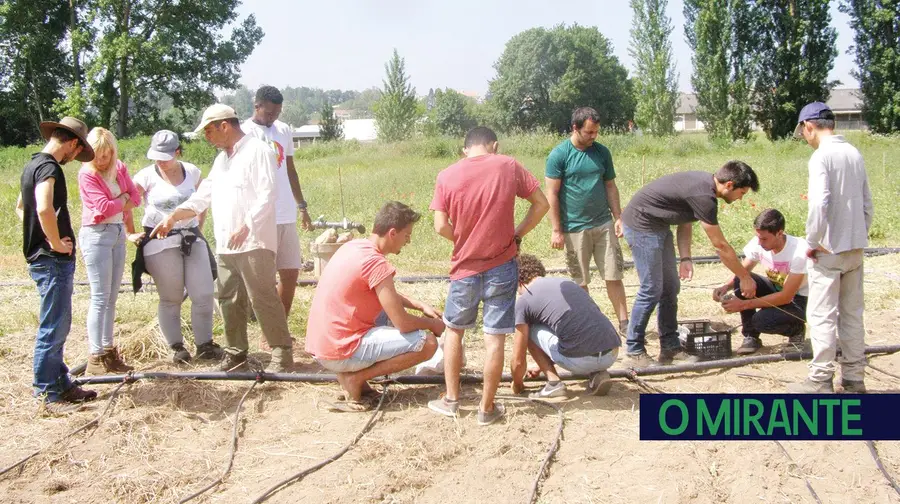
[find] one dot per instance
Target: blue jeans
(103, 249)
(654, 258)
(548, 341)
(54, 279)
(496, 288)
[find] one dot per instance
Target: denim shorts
(496, 288)
(543, 337)
(378, 344)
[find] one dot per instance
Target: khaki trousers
(245, 278)
(835, 315)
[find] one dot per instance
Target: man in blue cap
(837, 231)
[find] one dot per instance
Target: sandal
(348, 407)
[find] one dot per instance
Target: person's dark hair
(394, 215)
(770, 220)
(480, 135)
(530, 267)
(582, 114)
(740, 174)
(823, 124)
(63, 135)
(269, 94)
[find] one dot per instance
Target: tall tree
(720, 34)
(544, 74)
(655, 80)
(330, 127)
(147, 49)
(33, 67)
(796, 51)
(396, 110)
(877, 27)
(451, 113)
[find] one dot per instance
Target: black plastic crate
(705, 343)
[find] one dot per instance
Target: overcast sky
(343, 44)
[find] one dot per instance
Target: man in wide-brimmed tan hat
(49, 248)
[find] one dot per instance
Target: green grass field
(375, 173)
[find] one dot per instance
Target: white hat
(213, 113)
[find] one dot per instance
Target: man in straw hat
(49, 247)
(243, 181)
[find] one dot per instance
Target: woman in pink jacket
(107, 197)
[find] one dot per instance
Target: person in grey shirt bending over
(837, 231)
(559, 324)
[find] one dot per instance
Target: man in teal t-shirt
(585, 209)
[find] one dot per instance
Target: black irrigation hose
(234, 443)
(302, 474)
(713, 259)
(808, 485)
(472, 379)
(92, 423)
(874, 451)
(545, 465)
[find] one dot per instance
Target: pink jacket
(97, 202)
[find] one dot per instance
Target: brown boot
(114, 362)
(96, 365)
(282, 360)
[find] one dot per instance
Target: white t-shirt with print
(791, 259)
(280, 138)
(162, 198)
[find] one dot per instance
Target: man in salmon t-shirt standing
(474, 207)
(348, 331)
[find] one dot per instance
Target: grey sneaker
(808, 386)
(282, 360)
(487, 418)
(679, 356)
(557, 389)
(444, 406)
(853, 386)
(599, 384)
(639, 360)
(749, 346)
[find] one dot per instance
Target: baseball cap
(214, 113)
(811, 112)
(163, 146)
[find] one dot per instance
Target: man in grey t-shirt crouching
(559, 324)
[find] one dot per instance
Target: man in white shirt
(780, 305)
(243, 181)
(837, 231)
(289, 195)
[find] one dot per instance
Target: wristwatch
(301, 206)
(518, 240)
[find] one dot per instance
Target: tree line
(754, 61)
(138, 65)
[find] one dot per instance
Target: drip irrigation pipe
(234, 443)
(808, 485)
(554, 447)
(869, 252)
(93, 423)
(302, 474)
(878, 463)
(470, 378)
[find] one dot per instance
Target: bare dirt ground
(163, 440)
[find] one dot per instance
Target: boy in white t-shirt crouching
(780, 305)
